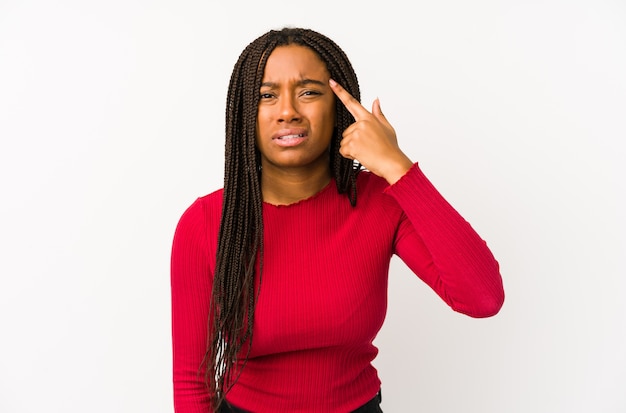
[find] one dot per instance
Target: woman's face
(296, 113)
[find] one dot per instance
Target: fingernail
(332, 82)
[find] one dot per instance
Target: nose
(288, 109)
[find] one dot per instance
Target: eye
(311, 93)
(266, 95)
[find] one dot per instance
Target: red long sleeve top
(324, 290)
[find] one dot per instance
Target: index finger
(354, 106)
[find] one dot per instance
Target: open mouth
(287, 137)
(290, 139)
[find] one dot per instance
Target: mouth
(290, 138)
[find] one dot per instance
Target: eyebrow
(301, 82)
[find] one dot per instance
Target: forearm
(444, 250)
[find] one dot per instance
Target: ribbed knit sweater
(323, 295)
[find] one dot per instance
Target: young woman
(279, 280)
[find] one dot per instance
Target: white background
(111, 124)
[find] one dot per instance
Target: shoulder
(371, 188)
(202, 216)
(372, 196)
(370, 182)
(211, 202)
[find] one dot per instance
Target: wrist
(397, 169)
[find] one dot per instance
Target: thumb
(376, 110)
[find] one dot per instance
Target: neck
(282, 186)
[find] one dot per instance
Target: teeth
(292, 136)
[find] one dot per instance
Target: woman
(279, 280)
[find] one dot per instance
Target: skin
(371, 139)
(295, 122)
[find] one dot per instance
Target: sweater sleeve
(190, 290)
(442, 248)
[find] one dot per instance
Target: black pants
(373, 406)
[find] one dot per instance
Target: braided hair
(240, 240)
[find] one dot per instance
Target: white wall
(111, 123)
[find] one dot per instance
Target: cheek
(324, 116)
(329, 122)
(259, 131)
(261, 123)
(331, 114)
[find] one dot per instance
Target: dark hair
(240, 242)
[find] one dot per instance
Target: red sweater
(324, 290)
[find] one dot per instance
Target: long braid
(240, 239)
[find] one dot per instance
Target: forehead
(294, 61)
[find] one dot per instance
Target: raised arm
(443, 249)
(434, 240)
